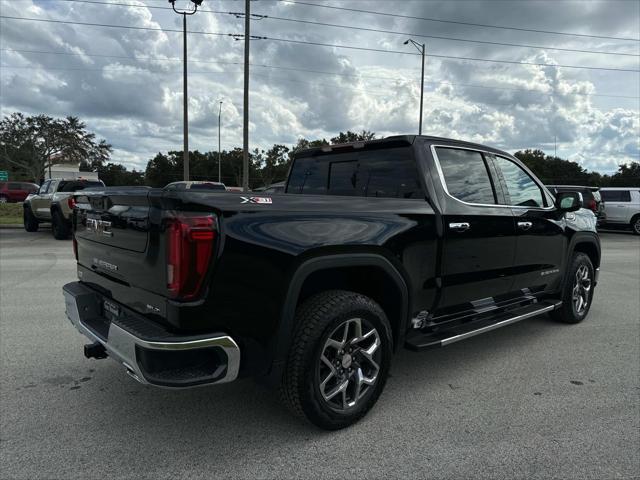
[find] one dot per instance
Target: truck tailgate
(112, 229)
(116, 220)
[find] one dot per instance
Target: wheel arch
(588, 244)
(633, 220)
(313, 275)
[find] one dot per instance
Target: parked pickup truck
(53, 202)
(407, 242)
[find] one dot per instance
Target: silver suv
(622, 206)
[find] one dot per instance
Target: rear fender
(284, 337)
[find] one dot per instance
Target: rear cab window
(383, 173)
(75, 185)
(207, 186)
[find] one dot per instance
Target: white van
(622, 206)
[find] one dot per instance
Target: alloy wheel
(581, 289)
(636, 226)
(349, 362)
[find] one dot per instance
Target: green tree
(626, 176)
(161, 169)
(113, 174)
(553, 170)
(273, 164)
(31, 144)
(349, 137)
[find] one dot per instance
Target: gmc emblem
(99, 227)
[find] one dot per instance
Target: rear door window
(465, 175)
(616, 195)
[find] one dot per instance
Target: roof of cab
(394, 141)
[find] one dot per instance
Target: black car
(407, 242)
(591, 198)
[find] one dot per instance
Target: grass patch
(10, 213)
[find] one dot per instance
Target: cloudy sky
(126, 83)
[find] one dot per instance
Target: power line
(104, 25)
(440, 20)
(353, 27)
(448, 57)
(437, 37)
(278, 67)
(303, 42)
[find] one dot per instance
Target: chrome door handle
(525, 225)
(459, 226)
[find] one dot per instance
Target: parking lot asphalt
(533, 400)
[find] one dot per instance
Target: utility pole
(245, 126)
(185, 102)
(185, 98)
(555, 146)
(422, 49)
(219, 151)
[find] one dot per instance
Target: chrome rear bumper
(151, 354)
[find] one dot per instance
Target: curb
(11, 225)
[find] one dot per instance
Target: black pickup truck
(409, 241)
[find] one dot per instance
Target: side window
(518, 187)
(44, 187)
(15, 186)
(616, 195)
(465, 175)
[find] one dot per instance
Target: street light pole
(185, 98)
(219, 151)
(245, 125)
(421, 48)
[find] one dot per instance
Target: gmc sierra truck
(407, 242)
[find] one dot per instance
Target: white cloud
(137, 104)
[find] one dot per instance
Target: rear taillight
(71, 202)
(75, 247)
(190, 243)
(592, 205)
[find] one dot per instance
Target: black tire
(29, 220)
(572, 310)
(635, 225)
(318, 319)
(59, 226)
